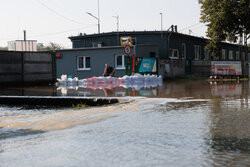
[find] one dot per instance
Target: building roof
(131, 33)
(24, 40)
(103, 47)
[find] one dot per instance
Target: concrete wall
(172, 68)
(26, 67)
(201, 68)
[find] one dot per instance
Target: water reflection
(193, 89)
(6, 133)
(230, 144)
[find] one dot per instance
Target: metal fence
(26, 67)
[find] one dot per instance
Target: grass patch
(79, 106)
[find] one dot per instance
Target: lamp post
(117, 24)
(97, 18)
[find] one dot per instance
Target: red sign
(58, 55)
(127, 49)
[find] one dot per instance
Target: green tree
(3, 48)
(54, 46)
(226, 20)
(50, 46)
(40, 47)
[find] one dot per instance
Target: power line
(50, 34)
(61, 32)
(52, 10)
(198, 27)
(189, 27)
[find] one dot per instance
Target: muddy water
(189, 123)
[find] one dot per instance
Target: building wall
(20, 45)
(108, 39)
(67, 64)
(168, 42)
(98, 58)
(176, 40)
(153, 38)
(26, 67)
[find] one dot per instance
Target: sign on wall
(127, 49)
(148, 64)
(226, 68)
(126, 41)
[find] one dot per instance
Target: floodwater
(184, 123)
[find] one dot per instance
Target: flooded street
(183, 123)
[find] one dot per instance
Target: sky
(56, 20)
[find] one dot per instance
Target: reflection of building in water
(197, 89)
(229, 118)
(229, 125)
(226, 89)
(116, 92)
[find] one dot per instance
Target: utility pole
(161, 26)
(99, 28)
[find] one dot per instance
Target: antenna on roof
(190, 32)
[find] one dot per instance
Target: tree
(50, 46)
(226, 20)
(54, 46)
(40, 47)
(3, 48)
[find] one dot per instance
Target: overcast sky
(56, 20)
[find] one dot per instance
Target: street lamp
(97, 18)
(117, 22)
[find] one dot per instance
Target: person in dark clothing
(108, 71)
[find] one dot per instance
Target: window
(175, 54)
(97, 44)
(120, 62)
(223, 54)
(183, 51)
(83, 63)
(237, 55)
(243, 56)
(230, 56)
(197, 52)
